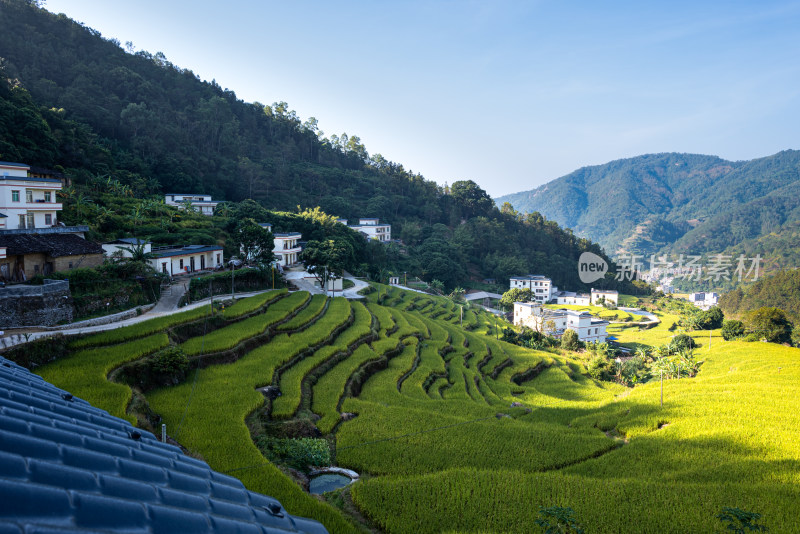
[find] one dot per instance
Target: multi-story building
(541, 287)
(287, 246)
(556, 322)
(704, 300)
(373, 229)
(27, 202)
(604, 296)
(186, 259)
(200, 203)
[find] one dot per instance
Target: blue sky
(510, 94)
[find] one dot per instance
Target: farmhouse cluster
(552, 322)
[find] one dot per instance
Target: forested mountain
(78, 103)
(781, 290)
(680, 203)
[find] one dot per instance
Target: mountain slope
(673, 202)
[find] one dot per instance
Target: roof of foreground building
(67, 466)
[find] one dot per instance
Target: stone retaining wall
(44, 305)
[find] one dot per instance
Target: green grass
(251, 304)
(139, 330)
(600, 311)
(84, 373)
(447, 451)
(229, 336)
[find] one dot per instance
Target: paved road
(167, 305)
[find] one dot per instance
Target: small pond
(327, 482)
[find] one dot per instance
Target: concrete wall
(43, 305)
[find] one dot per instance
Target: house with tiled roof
(200, 203)
(66, 466)
(29, 254)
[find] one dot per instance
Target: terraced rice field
(453, 430)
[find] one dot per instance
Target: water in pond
(327, 482)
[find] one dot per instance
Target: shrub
(300, 453)
(171, 360)
(732, 330)
(570, 341)
(558, 520)
(682, 342)
(598, 367)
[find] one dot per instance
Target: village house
(704, 300)
(541, 287)
(287, 246)
(372, 229)
(173, 260)
(31, 254)
(27, 202)
(555, 322)
(200, 203)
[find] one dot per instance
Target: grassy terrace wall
(431, 423)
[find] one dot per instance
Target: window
(218, 258)
(48, 196)
(14, 196)
(31, 223)
(22, 221)
(70, 265)
(28, 195)
(36, 269)
(181, 264)
(48, 219)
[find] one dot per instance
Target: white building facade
(704, 300)
(186, 259)
(27, 202)
(373, 229)
(287, 248)
(201, 203)
(556, 322)
(541, 287)
(600, 296)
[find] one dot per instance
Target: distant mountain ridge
(677, 203)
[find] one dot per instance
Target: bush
(732, 329)
(682, 342)
(598, 367)
(570, 341)
(300, 453)
(171, 360)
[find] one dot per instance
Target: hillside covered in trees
(680, 203)
(73, 101)
(782, 290)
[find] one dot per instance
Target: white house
(287, 246)
(120, 245)
(704, 300)
(201, 203)
(372, 229)
(555, 322)
(604, 295)
(27, 202)
(572, 298)
(541, 286)
(186, 259)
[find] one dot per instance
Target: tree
(569, 340)
(326, 259)
(138, 253)
(769, 323)
(710, 319)
(732, 329)
(682, 342)
(255, 243)
(516, 295)
(471, 198)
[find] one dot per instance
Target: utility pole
(210, 297)
(232, 290)
(662, 388)
(462, 316)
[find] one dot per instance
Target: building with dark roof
(30, 254)
(66, 466)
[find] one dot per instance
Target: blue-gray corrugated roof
(12, 164)
(30, 179)
(67, 466)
